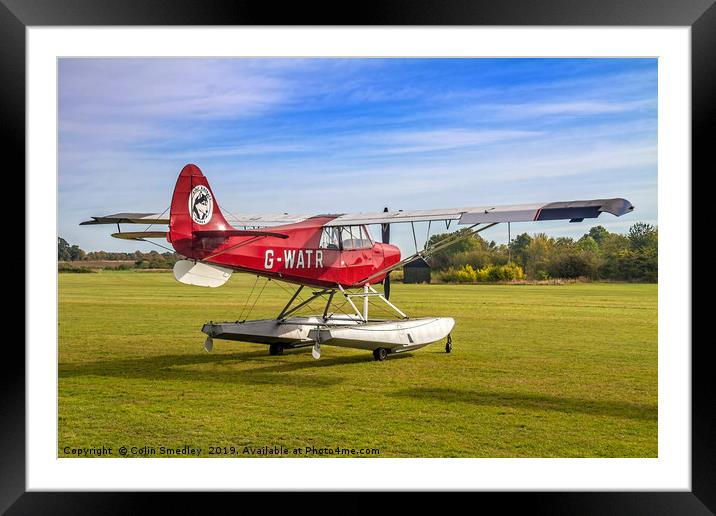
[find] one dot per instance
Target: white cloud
(435, 140)
(574, 108)
(123, 103)
(128, 88)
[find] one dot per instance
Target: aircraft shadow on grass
(174, 367)
(531, 401)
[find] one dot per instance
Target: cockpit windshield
(355, 237)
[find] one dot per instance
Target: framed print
(328, 116)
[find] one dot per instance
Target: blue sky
(346, 135)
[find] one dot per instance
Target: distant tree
(518, 246)
(477, 258)
(76, 253)
(588, 243)
(642, 236)
(574, 265)
(537, 256)
(443, 258)
(564, 244)
(499, 255)
(63, 250)
(598, 233)
(66, 252)
(613, 243)
(464, 244)
(631, 265)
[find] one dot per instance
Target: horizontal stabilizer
(238, 233)
(245, 220)
(201, 274)
(128, 218)
(140, 235)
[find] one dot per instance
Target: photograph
(425, 248)
(357, 257)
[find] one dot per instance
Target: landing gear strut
(276, 349)
(448, 344)
(380, 354)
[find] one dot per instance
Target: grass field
(536, 371)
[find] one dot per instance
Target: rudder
(193, 208)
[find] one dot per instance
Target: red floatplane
(329, 255)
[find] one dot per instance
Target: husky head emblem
(201, 205)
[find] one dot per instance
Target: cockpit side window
(330, 238)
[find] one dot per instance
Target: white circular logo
(201, 205)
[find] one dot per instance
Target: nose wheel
(448, 344)
(276, 349)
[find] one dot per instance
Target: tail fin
(193, 208)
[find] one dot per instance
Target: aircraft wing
(574, 211)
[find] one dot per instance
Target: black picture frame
(17, 15)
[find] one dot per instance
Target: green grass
(536, 371)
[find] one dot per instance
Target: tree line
(150, 260)
(597, 255)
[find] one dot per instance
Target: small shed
(417, 271)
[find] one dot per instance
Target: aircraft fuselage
(303, 257)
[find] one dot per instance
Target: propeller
(385, 237)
